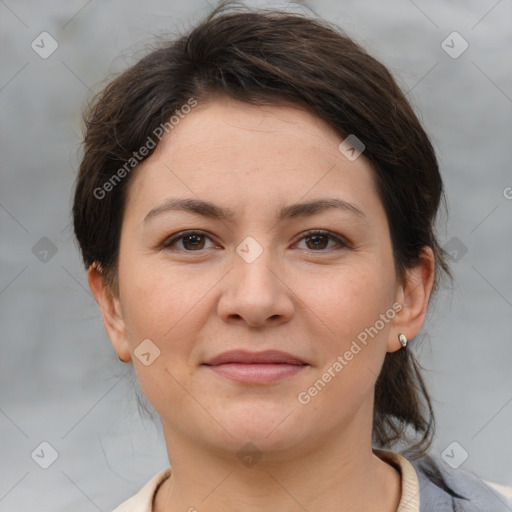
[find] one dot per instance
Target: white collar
(409, 501)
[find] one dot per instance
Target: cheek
(350, 300)
(169, 308)
(157, 301)
(163, 308)
(354, 308)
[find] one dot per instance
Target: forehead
(224, 122)
(226, 150)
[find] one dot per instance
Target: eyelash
(168, 242)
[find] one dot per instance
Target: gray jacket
(480, 496)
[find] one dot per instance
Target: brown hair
(269, 57)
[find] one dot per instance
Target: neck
(337, 474)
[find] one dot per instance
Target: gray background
(60, 380)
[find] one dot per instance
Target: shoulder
(445, 489)
(143, 500)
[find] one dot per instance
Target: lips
(255, 367)
(245, 357)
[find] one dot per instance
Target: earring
(402, 338)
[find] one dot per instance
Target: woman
(255, 207)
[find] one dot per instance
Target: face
(268, 274)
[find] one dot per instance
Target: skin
(195, 303)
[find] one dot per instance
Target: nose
(256, 293)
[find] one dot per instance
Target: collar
(410, 495)
(409, 501)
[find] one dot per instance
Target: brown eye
(191, 241)
(319, 240)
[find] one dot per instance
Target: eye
(318, 240)
(192, 241)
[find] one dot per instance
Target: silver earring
(402, 338)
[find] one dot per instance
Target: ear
(414, 296)
(110, 308)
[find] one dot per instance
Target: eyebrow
(210, 210)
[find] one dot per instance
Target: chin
(269, 426)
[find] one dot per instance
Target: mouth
(256, 367)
